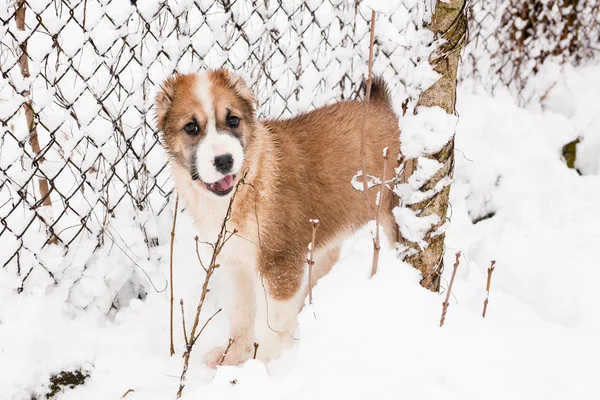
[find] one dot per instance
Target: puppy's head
(207, 121)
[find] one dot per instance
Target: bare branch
(205, 324)
(172, 346)
(446, 303)
(231, 234)
(217, 247)
(198, 255)
(183, 323)
(315, 224)
(487, 287)
(255, 350)
(363, 155)
(231, 340)
(376, 244)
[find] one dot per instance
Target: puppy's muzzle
(224, 163)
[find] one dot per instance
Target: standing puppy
(296, 169)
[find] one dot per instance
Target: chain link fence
(512, 40)
(79, 146)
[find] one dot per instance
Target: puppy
(294, 170)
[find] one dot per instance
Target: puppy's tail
(379, 91)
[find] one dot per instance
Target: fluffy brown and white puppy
(297, 169)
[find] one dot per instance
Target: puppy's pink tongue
(224, 184)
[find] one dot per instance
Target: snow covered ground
(362, 338)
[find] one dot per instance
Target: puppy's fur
(297, 169)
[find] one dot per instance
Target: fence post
(29, 117)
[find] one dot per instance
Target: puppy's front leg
(239, 299)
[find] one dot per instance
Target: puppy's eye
(233, 121)
(191, 128)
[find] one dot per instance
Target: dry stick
(404, 106)
(84, 13)
(376, 245)
(487, 287)
(34, 141)
(172, 347)
(187, 343)
(315, 224)
(231, 340)
(198, 255)
(255, 350)
(206, 323)
(446, 303)
(127, 392)
(363, 154)
(222, 239)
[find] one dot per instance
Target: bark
(29, 117)
(449, 22)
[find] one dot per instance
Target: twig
(231, 340)
(404, 106)
(127, 392)
(187, 343)
(446, 303)
(198, 255)
(206, 323)
(315, 224)
(376, 244)
(84, 13)
(487, 287)
(363, 155)
(545, 95)
(172, 347)
(255, 350)
(217, 247)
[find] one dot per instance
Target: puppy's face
(207, 122)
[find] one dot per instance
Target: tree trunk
(449, 22)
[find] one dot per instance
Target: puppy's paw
(237, 354)
(271, 347)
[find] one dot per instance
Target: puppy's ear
(238, 84)
(241, 88)
(164, 99)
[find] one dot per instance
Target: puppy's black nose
(224, 163)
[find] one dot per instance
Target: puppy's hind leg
(324, 261)
(279, 297)
(390, 229)
(388, 220)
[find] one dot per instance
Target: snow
(513, 200)
(414, 227)
(383, 7)
(362, 338)
(426, 132)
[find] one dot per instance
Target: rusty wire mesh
(512, 40)
(80, 76)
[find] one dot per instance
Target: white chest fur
(208, 212)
